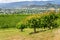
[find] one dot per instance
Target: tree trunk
(34, 29)
(21, 30)
(49, 28)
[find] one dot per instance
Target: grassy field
(15, 34)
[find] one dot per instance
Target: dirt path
(57, 34)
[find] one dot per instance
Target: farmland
(10, 20)
(30, 20)
(8, 30)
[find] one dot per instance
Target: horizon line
(23, 1)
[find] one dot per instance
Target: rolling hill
(27, 4)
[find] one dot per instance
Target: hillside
(26, 4)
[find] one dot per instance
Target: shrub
(22, 27)
(4, 26)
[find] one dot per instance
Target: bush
(21, 26)
(4, 26)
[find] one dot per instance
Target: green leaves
(44, 21)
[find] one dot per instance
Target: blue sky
(8, 1)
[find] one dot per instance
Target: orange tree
(44, 20)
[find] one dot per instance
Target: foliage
(46, 20)
(35, 20)
(10, 21)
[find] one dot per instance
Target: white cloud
(44, 0)
(41, 0)
(8, 1)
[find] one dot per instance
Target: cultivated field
(8, 30)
